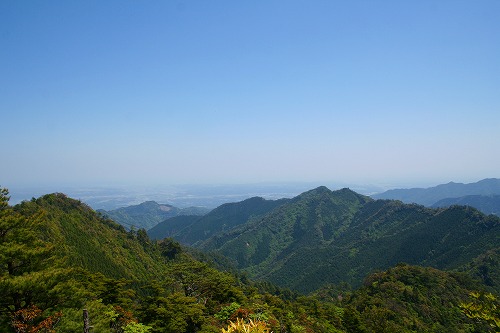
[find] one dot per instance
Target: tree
(169, 248)
(167, 312)
(30, 279)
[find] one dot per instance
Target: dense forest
(329, 237)
(59, 257)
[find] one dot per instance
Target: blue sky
(173, 92)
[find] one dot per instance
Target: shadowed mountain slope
(488, 204)
(190, 230)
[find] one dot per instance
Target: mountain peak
(321, 189)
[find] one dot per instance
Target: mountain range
(430, 196)
(323, 236)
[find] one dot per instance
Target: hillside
(148, 214)
(488, 204)
(90, 241)
(58, 257)
(431, 195)
(323, 237)
(172, 226)
(190, 230)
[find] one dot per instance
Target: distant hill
(189, 230)
(324, 236)
(148, 214)
(488, 204)
(431, 195)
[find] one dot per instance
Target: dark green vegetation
(58, 256)
(324, 237)
(488, 204)
(148, 214)
(431, 195)
(191, 229)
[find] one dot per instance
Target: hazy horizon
(129, 93)
(190, 195)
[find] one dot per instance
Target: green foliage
(410, 298)
(484, 307)
(172, 312)
(486, 268)
(169, 248)
(30, 275)
(136, 328)
(206, 284)
(226, 312)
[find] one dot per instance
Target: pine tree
(29, 275)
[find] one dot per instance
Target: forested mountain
(488, 204)
(148, 214)
(190, 230)
(90, 241)
(172, 226)
(58, 257)
(431, 195)
(323, 237)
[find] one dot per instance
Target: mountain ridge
(429, 196)
(224, 217)
(488, 204)
(324, 236)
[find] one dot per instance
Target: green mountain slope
(325, 237)
(148, 214)
(488, 204)
(90, 241)
(431, 195)
(172, 226)
(222, 218)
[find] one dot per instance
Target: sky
(229, 92)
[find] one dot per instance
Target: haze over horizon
(192, 92)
